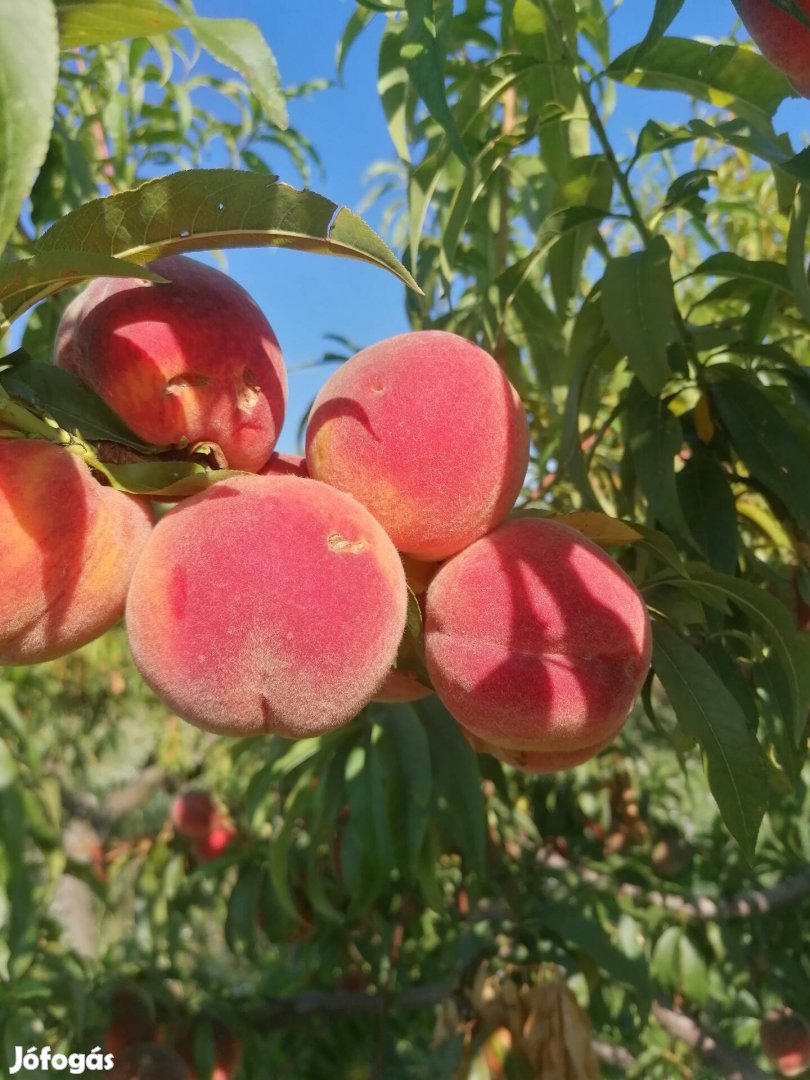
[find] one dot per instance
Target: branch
(724, 1058)
(701, 908)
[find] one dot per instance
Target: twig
(701, 908)
(724, 1058)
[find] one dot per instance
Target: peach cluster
(276, 601)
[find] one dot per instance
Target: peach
(428, 433)
(267, 604)
(782, 38)
(285, 465)
(190, 361)
(214, 843)
(194, 814)
(785, 1038)
(131, 1022)
(537, 642)
(68, 547)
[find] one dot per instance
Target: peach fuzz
(537, 642)
(427, 432)
(781, 38)
(68, 547)
(267, 604)
(190, 361)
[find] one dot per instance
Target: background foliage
(653, 311)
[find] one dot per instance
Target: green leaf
(776, 623)
(278, 858)
(638, 303)
(404, 728)
(796, 246)
(240, 45)
(728, 264)
(27, 281)
(457, 794)
(164, 480)
(358, 21)
(214, 208)
(75, 407)
(654, 437)
(424, 50)
(677, 965)
(765, 443)
(243, 911)
(663, 15)
(728, 76)
(29, 65)
(705, 496)
(95, 22)
(393, 86)
(706, 710)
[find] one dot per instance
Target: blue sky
(306, 296)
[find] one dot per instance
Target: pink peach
(428, 433)
(267, 604)
(190, 361)
(68, 547)
(537, 643)
(781, 37)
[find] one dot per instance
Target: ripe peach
(212, 844)
(130, 1023)
(537, 643)
(427, 432)
(284, 465)
(267, 604)
(782, 38)
(785, 1038)
(190, 361)
(68, 547)
(194, 813)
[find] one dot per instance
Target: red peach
(130, 1022)
(428, 433)
(537, 643)
(190, 361)
(68, 547)
(193, 813)
(785, 1038)
(215, 843)
(267, 604)
(781, 37)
